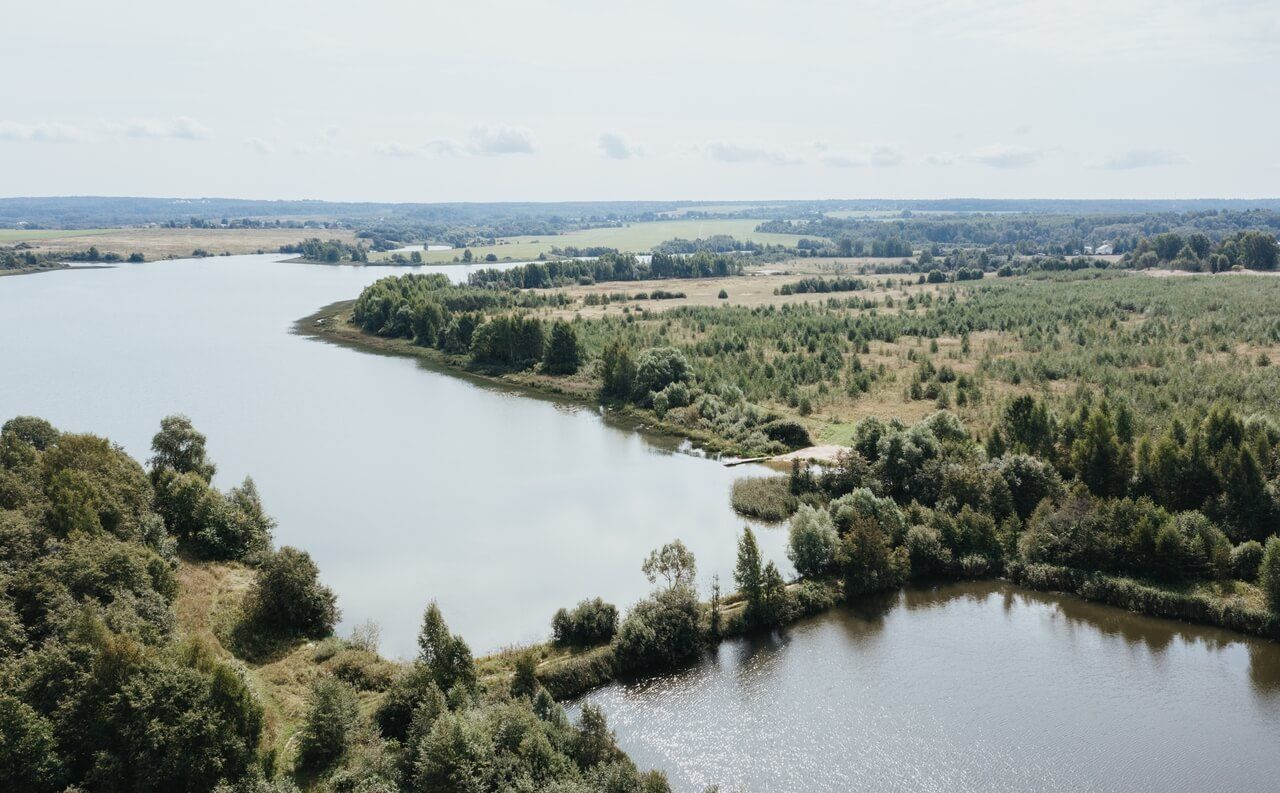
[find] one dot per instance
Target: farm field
(166, 243)
(632, 238)
(12, 236)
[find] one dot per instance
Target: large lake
(966, 688)
(407, 484)
(404, 483)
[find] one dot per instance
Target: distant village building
(1105, 249)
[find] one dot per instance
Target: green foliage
(509, 340)
(178, 447)
(563, 354)
(673, 563)
(28, 753)
(327, 725)
(660, 631)
(868, 563)
(288, 599)
(446, 655)
(813, 542)
(1269, 572)
(591, 622)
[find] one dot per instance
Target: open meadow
(629, 238)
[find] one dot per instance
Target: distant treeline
(610, 267)
(317, 250)
(19, 258)
(1252, 250)
(1024, 234)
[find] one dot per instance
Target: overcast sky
(701, 99)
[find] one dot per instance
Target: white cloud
(1143, 158)
(875, 156)
(617, 146)
(44, 132)
(886, 156)
(178, 127)
(843, 161)
(941, 158)
(1002, 156)
(394, 148)
(743, 152)
(259, 145)
(501, 139)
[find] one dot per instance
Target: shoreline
(329, 324)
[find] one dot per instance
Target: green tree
(868, 562)
(1099, 459)
(446, 655)
(180, 448)
(28, 752)
(328, 724)
(617, 372)
(673, 563)
(563, 355)
(747, 572)
(287, 596)
(1269, 572)
(812, 542)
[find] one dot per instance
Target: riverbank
(332, 323)
(570, 674)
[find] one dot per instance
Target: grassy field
(11, 236)
(162, 243)
(632, 238)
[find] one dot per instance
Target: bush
(763, 497)
(659, 367)
(723, 295)
(812, 543)
(974, 565)
(591, 622)
(790, 433)
(288, 598)
(362, 669)
(1246, 558)
(660, 631)
(927, 553)
(330, 719)
(1269, 572)
(814, 597)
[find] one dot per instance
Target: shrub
(974, 565)
(660, 631)
(813, 541)
(328, 723)
(867, 560)
(362, 669)
(288, 598)
(1269, 572)
(763, 497)
(591, 622)
(1246, 558)
(788, 432)
(927, 553)
(723, 295)
(659, 367)
(814, 597)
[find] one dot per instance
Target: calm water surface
(967, 687)
(405, 484)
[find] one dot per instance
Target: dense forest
(107, 686)
(1017, 233)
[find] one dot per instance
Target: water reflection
(404, 484)
(965, 687)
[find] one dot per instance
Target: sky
(383, 100)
